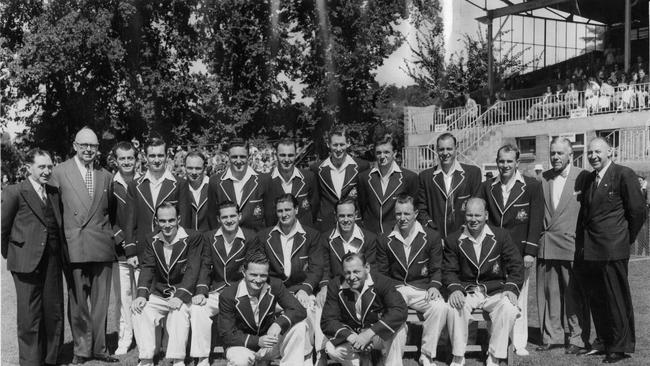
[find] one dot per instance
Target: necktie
(594, 187)
(89, 181)
(41, 194)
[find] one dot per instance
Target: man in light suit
(90, 250)
(31, 243)
(612, 214)
(560, 303)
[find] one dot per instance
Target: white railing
(418, 157)
(426, 120)
(630, 144)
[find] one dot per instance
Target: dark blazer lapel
(351, 171)
(298, 241)
(394, 182)
(397, 248)
(325, 175)
(346, 297)
(160, 254)
(243, 306)
(417, 245)
(166, 190)
(32, 199)
(456, 180)
(249, 188)
(237, 246)
(367, 299)
(266, 302)
(337, 247)
(486, 248)
(374, 182)
(219, 248)
(518, 189)
(203, 198)
(439, 182)
(52, 195)
(144, 190)
(177, 250)
(547, 183)
(73, 175)
(227, 188)
(603, 185)
(297, 185)
(467, 247)
(274, 243)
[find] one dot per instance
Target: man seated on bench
(224, 250)
(482, 269)
(363, 312)
(411, 256)
(250, 328)
(169, 271)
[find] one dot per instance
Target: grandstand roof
(605, 11)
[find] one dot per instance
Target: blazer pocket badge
(522, 215)
(305, 266)
(425, 271)
(305, 204)
(257, 211)
(353, 193)
(496, 269)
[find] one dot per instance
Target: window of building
(527, 147)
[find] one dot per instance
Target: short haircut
(386, 138)
(286, 141)
(227, 204)
(509, 148)
(446, 136)
(31, 155)
(237, 143)
(124, 146)
(338, 130)
(195, 154)
(562, 140)
(350, 256)
(405, 198)
(154, 142)
(286, 197)
(348, 201)
(168, 204)
(255, 256)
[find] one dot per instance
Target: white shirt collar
(417, 228)
(394, 168)
(166, 175)
(120, 179)
(242, 290)
(356, 233)
(517, 177)
(297, 228)
(602, 172)
(37, 186)
(239, 234)
(205, 181)
(296, 174)
(348, 161)
(486, 231)
(180, 235)
(249, 172)
(456, 167)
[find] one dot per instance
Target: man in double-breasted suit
(31, 243)
(287, 178)
(560, 301)
(445, 189)
(363, 310)
(380, 185)
(612, 214)
(516, 203)
(337, 176)
(241, 184)
(90, 246)
(195, 188)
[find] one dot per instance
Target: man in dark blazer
(169, 271)
(379, 186)
(31, 243)
(612, 214)
(249, 325)
(411, 256)
(287, 178)
(379, 321)
(337, 176)
(195, 188)
(241, 184)
(516, 203)
(560, 300)
(445, 189)
(224, 250)
(89, 252)
(482, 269)
(156, 186)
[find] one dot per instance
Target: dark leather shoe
(79, 360)
(613, 357)
(546, 347)
(106, 358)
(575, 350)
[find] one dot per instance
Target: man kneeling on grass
(250, 328)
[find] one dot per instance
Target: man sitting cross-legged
(169, 271)
(223, 252)
(482, 269)
(362, 312)
(249, 326)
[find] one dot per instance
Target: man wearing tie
(612, 214)
(338, 177)
(381, 184)
(445, 189)
(90, 248)
(31, 243)
(560, 302)
(286, 178)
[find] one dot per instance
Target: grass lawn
(639, 272)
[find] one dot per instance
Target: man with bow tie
(287, 178)
(346, 238)
(338, 177)
(31, 243)
(445, 189)
(224, 250)
(169, 271)
(516, 203)
(381, 184)
(250, 327)
(363, 311)
(241, 184)
(195, 187)
(482, 269)
(560, 300)
(411, 256)
(612, 214)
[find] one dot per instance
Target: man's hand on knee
(174, 303)
(199, 300)
(511, 296)
(138, 304)
(457, 299)
(433, 294)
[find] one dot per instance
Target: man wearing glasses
(89, 252)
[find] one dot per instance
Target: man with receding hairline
(611, 216)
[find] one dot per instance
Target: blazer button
(75, 213)
(42, 244)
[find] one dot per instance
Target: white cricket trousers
(177, 328)
(124, 285)
(519, 334)
(435, 316)
(201, 323)
(392, 349)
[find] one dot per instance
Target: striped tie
(89, 181)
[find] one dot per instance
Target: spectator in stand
(558, 102)
(471, 108)
(628, 96)
(621, 88)
(606, 95)
(592, 93)
(572, 97)
(540, 109)
(639, 64)
(642, 90)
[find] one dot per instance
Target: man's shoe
(522, 352)
(121, 350)
(547, 347)
(614, 357)
(79, 360)
(106, 358)
(427, 361)
(575, 350)
(458, 361)
(203, 361)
